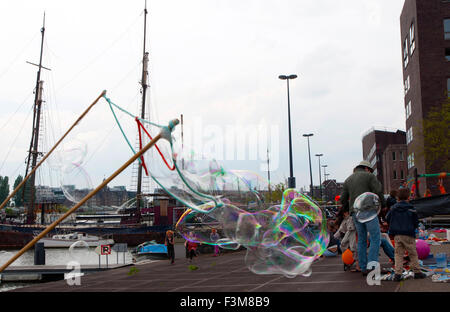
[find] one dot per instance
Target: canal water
(61, 256)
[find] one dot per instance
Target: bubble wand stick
(48, 154)
(165, 133)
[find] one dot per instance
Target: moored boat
(150, 250)
(66, 240)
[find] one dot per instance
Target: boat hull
(17, 236)
(14, 240)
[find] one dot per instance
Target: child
(192, 247)
(214, 237)
(403, 222)
(349, 240)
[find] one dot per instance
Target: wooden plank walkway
(228, 273)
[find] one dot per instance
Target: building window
(408, 110)
(447, 28)
(407, 85)
(447, 54)
(401, 155)
(393, 155)
(405, 53)
(412, 42)
(410, 160)
(395, 174)
(409, 135)
(402, 176)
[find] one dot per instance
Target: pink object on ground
(423, 250)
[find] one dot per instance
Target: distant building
(331, 189)
(425, 40)
(379, 147)
(395, 167)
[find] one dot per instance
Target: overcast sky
(216, 62)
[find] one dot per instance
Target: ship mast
(33, 151)
(144, 93)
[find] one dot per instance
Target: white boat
(66, 240)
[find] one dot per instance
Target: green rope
(120, 127)
(170, 128)
(130, 114)
(431, 175)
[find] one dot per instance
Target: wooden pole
(48, 154)
(85, 199)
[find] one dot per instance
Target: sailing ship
(130, 229)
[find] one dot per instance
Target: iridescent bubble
(68, 165)
(367, 206)
(79, 250)
(279, 239)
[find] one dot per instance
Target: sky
(216, 62)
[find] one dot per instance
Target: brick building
(425, 40)
(395, 167)
(386, 151)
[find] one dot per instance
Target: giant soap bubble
(283, 238)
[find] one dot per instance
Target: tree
(436, 135)
(18, 197)
(4, 188)
(276, 193)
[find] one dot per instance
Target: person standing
(192, 247)
(170, 246)
(214, 237)
(403, 222)
(360, 181)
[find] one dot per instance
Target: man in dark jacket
(363, 180)
(403, 222)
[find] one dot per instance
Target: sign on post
(120, 247)
(105, 249)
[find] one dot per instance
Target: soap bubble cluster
(281, 239)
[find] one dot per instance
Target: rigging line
(130, 114)
(141, 126)
(25, 48)
(51, 101)
(11, 145)
(103, 142)
(20, 106)
(126, 75)
(50, 131)
(93, 60)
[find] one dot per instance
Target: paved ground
(228, 273)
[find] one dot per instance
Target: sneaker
(419, 275)
(397, 277)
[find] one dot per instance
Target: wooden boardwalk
(50, 272)
(228, 273)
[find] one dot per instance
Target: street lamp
(325, 172)
(291, 179)
(320, 176)
(310, 169)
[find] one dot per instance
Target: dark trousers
(171, 252)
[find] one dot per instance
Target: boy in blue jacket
(403, 222)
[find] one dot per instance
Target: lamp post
(325, 172)
(291, 179)
(320, 176)
(310, 168)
